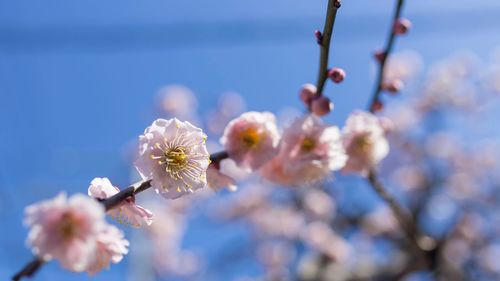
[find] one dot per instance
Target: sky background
(78, 78)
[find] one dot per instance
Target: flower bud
(318, 35)
(393, 86)
(379, 55)
(321, 106)
(377, 106)
(336, 74)
(307, 94)
(401, 26)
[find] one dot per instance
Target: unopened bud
(318, 35)
(336, 74)
(393, 86)
(377, 106)
(379, 55)
(401, 26)
(321, 106)
(307, 94)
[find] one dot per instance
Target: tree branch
(403, 217)
(383, 59)
(324, 43)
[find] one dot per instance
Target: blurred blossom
(409, 177)
(166, 235)
(489, 257)
(364, 139)
(451, 83)
(319, 205)
(471, 227)
(403, 116)
(456, 251)
(111, 246)
(229, 167)
(309, 151)
(177, 101)
(441, 145)
(174, 156)
(381, 221)
(287, 115)
(127, 212)
(251, 139)
(66, 229)
(276, 257)
(231, 104)
(462, 186)
(491, 80)
(245, 202)
(217, 180)
(277, 221)
(319, 236)
(402, 66)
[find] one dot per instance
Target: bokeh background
(79, 82)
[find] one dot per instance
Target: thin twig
(386, 52)
(117, 199)
(324, 43)
(218, 156)
(29, 269)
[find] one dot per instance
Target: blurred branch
(383, 59)
(324, 40)
(29, 269)
(404, 218)
(218, 156)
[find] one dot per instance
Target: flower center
(362, 144)
(176, 158)
(308, 145)
(250, 137)
(67, 227)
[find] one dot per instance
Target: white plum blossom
(66, 229)
(251, 139)
(364, 140)
(127, 212)
(309, 151)
(111, 247)
(174, 155)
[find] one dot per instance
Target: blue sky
(78, 79)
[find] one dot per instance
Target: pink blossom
(174, 155)
(364, 140)
(251, 139)
(309, 151)
(400, 67)
(217, 180)
(65, 229)
(274, 171)
(128, 212)
(110, 247)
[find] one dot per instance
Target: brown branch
(218, 156)
(324, 40)
(403, 217)
(29, 269)
(383, 59)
